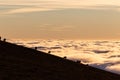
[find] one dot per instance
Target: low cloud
(69, 49)
(114, 68)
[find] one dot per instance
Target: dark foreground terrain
(20, 63)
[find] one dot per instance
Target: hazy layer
(62, 24)
(56, 19)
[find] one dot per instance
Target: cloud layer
(46, 5)
(64, 2)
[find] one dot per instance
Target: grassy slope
(20, 63)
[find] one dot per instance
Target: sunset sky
(60, 19)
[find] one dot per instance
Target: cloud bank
(81, 50)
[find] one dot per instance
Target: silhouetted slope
(20, 63)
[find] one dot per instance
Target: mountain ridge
(22, 63)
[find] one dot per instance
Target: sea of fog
(100, 54)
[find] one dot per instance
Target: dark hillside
(21, 63)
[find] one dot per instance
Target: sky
(60, 19)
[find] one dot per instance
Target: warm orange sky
(60, 19)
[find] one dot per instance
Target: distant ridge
(21, 63)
